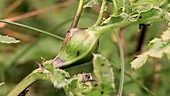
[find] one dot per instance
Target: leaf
(166, 35)
(90, 3)
(167, 51)
(165, 4)
(139, 61)
(2, 84)
(128, 8)
(150, 13)
(142, 2)
(156, 49)
(115, 19)
(79, 86)
(8, 40)
(74, 86)
(59, 78)
(104, 74)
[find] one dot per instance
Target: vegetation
(84, 47)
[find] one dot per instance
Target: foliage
(117, 29)
(157, 48)
(8, 40)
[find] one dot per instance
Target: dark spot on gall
(140, 16)
(102, 92)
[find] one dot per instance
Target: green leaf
(8, 40)
(150, 13)
(128, 8)
(59, 78)
(139, 61)
(90, 3)
(81, 83)
(115, 19)
(144, 2)
(104, 74)
(165, 4)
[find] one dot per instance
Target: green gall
(78, 46)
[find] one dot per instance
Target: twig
(78, 13)
(122, 37)
(110, 27)
(100, 17)
(124, 5)
(115, 8)
(34, 29)
(120, 46)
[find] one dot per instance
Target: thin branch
(34, 29)
(100, 17)
(110, 27)
(122, 64)
(124, 5)
(115, 8)
(78, 13)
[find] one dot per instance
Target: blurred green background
(55, 16)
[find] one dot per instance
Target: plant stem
(135, 80)
(78, 13)
(124, 5)
(120, 46)
(115, 8)
(32, 28)
(27, 81)
(110, 27)
(100, 17)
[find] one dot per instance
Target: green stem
(110, 27)
(78, 13)
(32, 28)
(124, 5)
(27, 81)
(135, 80)
(115, 8)
(100, 17)
(122, 64)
